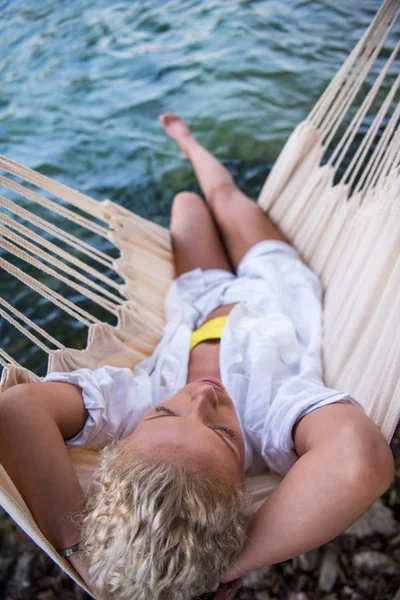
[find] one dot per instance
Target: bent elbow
(373, 466)
(385, 469)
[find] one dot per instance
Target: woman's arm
(34, 421)
(345, 464)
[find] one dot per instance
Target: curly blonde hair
(157, 530)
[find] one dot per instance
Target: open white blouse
(270, 356)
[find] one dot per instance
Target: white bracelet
(68, 551)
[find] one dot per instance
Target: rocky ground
(361, 564)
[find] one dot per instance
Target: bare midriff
(204, 358)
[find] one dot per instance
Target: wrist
(71, 550)
(76, 561)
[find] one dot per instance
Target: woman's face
(199, 424)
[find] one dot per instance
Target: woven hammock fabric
(347, 231)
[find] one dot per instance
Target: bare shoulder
(63, 402)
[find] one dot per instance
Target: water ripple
(82, 84)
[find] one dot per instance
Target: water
(82, 84)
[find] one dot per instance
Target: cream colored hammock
(349, 233)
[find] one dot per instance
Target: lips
(213, 381)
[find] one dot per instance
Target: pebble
(243, 595)
(308, 562)
(4, 564)
(378, 519)
(21, 573)
(298, 596)
(395, 542)
(47, 595)
(302, 581)
(364, 584)
(262, 595)
(329, 571)
(257, 579)
(397, 595)
(79, 593)
(330, 597)
(371, 562)
(288, 569)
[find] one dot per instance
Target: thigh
(195, 237)
(242, 222)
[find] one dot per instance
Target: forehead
(176, 438)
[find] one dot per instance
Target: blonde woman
(235, 386)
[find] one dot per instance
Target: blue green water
(82, 84)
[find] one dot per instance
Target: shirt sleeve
(109, 395)
(286, 364)
(279, 451)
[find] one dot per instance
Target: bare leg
(241, 221)
(195, 237)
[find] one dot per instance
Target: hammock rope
(58, 190)
(382, 19)
(377, 163)
(55, 262)
(13, 249)
(367, 141)
(392, 159)
(56, 232)
(10, 360)
(23, 330)
(56, 208)
(31, 324)
(339, 94)
(344, 144)
(75, 311)
(41, 241)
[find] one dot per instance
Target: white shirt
(270, 356)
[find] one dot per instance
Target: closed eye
(227, 430)
(231, 445)
(168, 410)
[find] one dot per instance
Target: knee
(227, 201)
(184, 201)
(185, 205)
(221, 194)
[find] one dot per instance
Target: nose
(204, 401)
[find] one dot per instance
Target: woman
(167, 516)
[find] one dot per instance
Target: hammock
(340, 214)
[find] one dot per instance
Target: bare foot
(176, 128)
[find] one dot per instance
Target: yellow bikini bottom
(211, 330)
